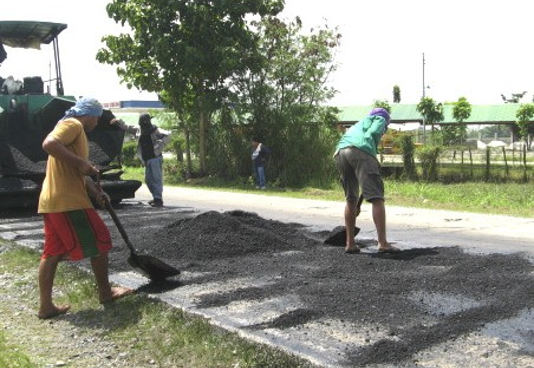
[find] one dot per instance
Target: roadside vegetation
(136, 331)
(513, 199)
(276, 88)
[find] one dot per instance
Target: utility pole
(424, 88)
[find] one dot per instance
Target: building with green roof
(407, 113)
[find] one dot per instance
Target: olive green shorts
(358, 169)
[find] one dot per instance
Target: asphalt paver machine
(29, 111)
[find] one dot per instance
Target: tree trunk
(203, 129)
(189, 166)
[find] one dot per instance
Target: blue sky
(474, 49)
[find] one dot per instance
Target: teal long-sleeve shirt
(364, 135)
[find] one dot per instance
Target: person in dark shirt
(151, 141)
(260, 157)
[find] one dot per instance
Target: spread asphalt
(409, 229)
(465, 329)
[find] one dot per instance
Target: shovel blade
(151, 267)
(338, 236)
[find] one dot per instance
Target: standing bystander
(151, 142)
(260, 157)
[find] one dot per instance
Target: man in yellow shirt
(73, 229)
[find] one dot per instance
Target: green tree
(184, 108)
(428, 156)
(405, 141)
(187, 48)
(524, 117)
(432, 112)
(383, 104)
(282, 99)
(396, 94)
(456, 134)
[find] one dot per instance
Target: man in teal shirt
(356, 158)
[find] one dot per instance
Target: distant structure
(516, 97)
(133, 104)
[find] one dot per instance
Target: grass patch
(145, 330)
(513, 199)
(11, 357)
(488, 198)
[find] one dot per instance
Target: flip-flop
(57, 312)
(354, 250)
(390, 249)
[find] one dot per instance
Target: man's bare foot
(352, 249)
(116, 293)
(388, 249)
(53, 312)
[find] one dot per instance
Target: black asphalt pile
(101, 154)
(16, 161)
(17, 185)
(419, 298)
(213, 235)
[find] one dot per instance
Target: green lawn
(480, 197)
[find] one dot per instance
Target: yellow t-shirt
(64, 186)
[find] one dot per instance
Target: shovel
(338, 236)
(151, 267)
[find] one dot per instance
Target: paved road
(508, 343)
(482, 233)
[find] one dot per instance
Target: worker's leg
(106, 293)
(379, 218)
(350, 223)
(47, 273)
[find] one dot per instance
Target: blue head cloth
(86, 106)
(379, 111)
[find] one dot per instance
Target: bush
(428, 156)
(408, 156)
(176, 146)
(129, 154)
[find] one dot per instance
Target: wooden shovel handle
(116, 220)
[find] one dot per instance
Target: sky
(472, 49)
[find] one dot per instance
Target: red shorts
(75, 235)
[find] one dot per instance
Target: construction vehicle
(28, 113)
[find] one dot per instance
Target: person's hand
(101, 197)
(87, 168)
